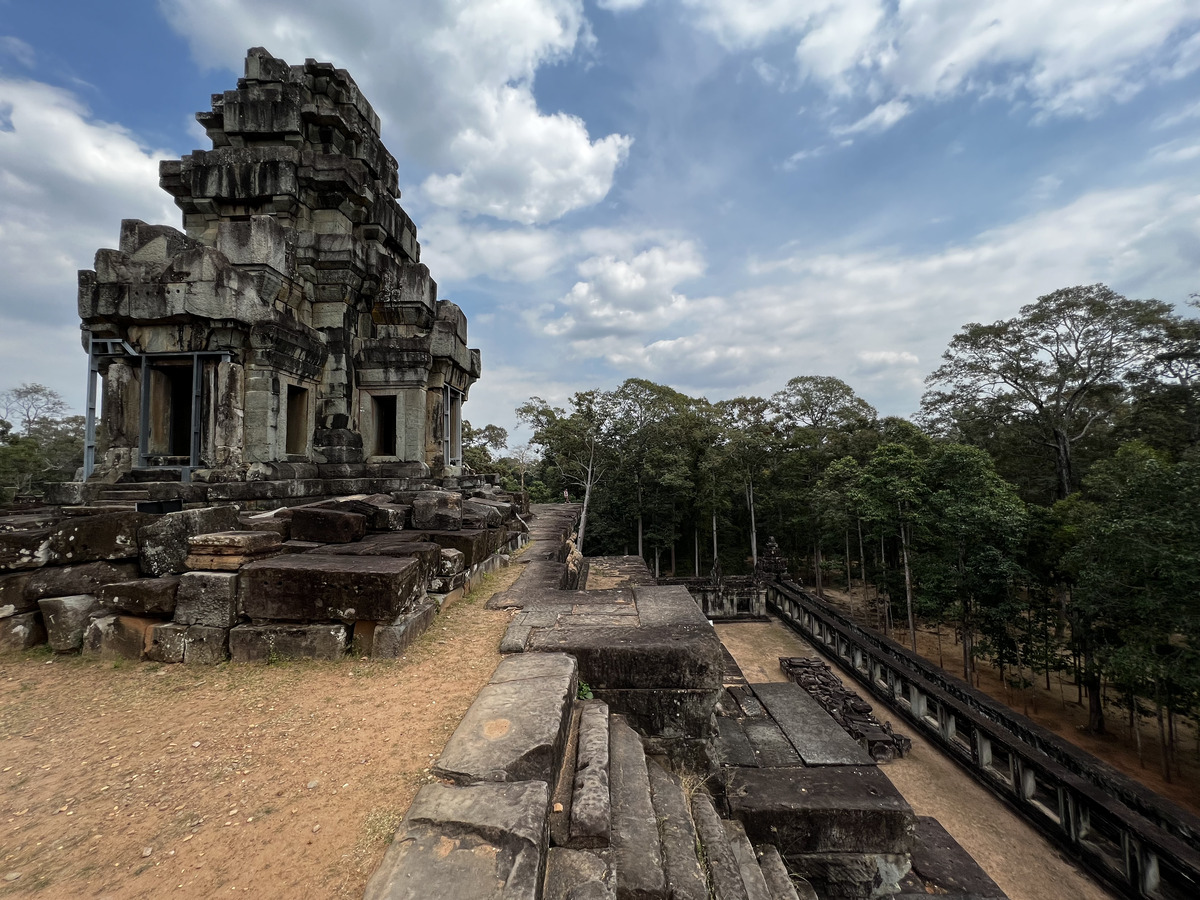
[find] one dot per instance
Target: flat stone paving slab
(818, 739)
(637, 853)
(516, 728)
(472, 842)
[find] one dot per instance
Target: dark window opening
(296, 442)
(385, 425)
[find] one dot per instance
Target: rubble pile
(366, 572)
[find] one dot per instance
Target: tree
(480, 443)
(48, 447)
(30, 404)
(821, 402)
(748, 440)
(1059, 367)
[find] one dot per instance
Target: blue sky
(713, 194)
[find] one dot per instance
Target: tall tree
(1059, 367)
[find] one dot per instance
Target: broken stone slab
(147, 597)
(437, 510)
(733, 747)
(452, 562)
(163, 544)
(22, 631)
(487, 513)
(206, 645)
(772, 749)
(300, 546)
(229, 550)
(66, 619)
(399, 546)
(781, 885)
(637, 853)
(678, 834)
(167, 642)
(818, 739)
(752, 875)
(662, 712)
(329, 526)
(207, 598)
(516, 728)
(723, 869)
(118, 637)
(474, 842)
(591, 806)
(827, 809)
(25, 549)
(392, 641)
(320, 587)
(264, 643)
(669, 605)
(68, 581)
(389, 517)
(568, 870)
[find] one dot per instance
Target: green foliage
(48, 446)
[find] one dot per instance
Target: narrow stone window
(385, 425)
(297, 421)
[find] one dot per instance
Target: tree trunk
(587, 497)
(696, 549)
(1062, 462)
(657, 554)
(714, 537)
(817, 571)
(1091, 682)
(753, 524)
(908, 598)
(1162, 736)
(672, 575)
(862, 563)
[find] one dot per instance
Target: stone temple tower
(290, 330)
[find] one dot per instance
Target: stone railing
(1131, 838)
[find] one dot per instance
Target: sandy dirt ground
(1059, 710)
(137, 780)
(1019, 860)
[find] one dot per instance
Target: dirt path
(131, 781)
(1059, 710)
(1019, 860)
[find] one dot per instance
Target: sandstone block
(391, 641)
(206, 645)
(102, 536)
(329, 526)
(66, 619)
(591, 811)
(22, 631)
(164, 544)
(13, 599)
(207, 598)
(167, 642)
(263, 643)
(317, 587)
(66, 581)
(440, 510)
(228, 551)
(452, 562)
(118, 637)
(141, 597)
(25, 549)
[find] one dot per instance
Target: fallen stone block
(515, 729)
(149, 597)
(22, 631)
(850, 876)
(389, 517)
(207, 598)
(391, 641)
(68, 581)
(329, 526)
(477, 842)
(102, 536)
(828, 809)
(228, 551)
(264, 643)
(818, 739)
(66, 619)
(320, 587)
(591, 807)
(278, 524)
(476, 545)
(25, 549)
(118, 637)
(485, 514)
(167, 642)
(941, 866)
(206, 645)
(13, 599)
(437, 510)
(568, 871)
(300, 546)
(452, 562)
(163, 544)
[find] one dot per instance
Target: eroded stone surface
(321, 587)
(637, 853)
(153, 597)
(263, 643)
(163, 544)
(207, 598)
(66, 619)
(591, 807)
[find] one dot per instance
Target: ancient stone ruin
(290, 332)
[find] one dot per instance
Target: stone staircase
(545, 796)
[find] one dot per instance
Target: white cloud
(453, 81)
(66, 180)
(620, 5)
(881, 118)
(16, 49)
(1070, 57)
(1183, 150)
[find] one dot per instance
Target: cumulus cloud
(1071, 57)
(66, 180)
(453, 82)
(627, 296)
